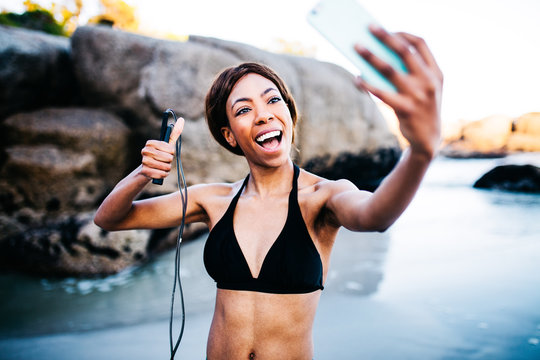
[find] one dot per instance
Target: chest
(257, 224)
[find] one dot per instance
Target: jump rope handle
(165, 134)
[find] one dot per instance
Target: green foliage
(39, 19)
(63, 18)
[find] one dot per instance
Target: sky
(489, 50)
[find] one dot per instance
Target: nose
(263, 116)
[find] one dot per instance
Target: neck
(268, 181)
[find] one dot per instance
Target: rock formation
(517, 178)
(494, 136)
(76, 112)
(525, 133)
(35, 71)
(62, 159)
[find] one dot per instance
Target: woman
(271, 234)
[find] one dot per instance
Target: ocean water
(456, 277)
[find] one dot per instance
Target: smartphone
(344, 23)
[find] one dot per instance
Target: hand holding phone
(345, 23)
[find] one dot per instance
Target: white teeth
(268, 135)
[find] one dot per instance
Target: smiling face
(260, 122)
(216, 113)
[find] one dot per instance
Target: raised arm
(119, 211)
(417, 106)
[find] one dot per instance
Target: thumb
(177, 130)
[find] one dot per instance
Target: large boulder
(481, 138)
(494, 136)
(526, 133)
(50, 178)
(517, 178)
(57, 163)
(488, 134)
(63, 159)
(72, 246)
(35, 71)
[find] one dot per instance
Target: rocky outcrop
(525, 133)
(494, 136)
(72, 246)
(62, 159)
(58, 162)
(35, 71)
(517, 178)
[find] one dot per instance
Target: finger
(382, 67)
(421, 47)
(159, 145)
(154, 165)
(396, 101)
(400, 46)
(155, 150)
(177, 130)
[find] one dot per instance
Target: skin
(252, 325)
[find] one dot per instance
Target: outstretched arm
(417, 105)
(119, 211)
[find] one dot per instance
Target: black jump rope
(166, 130)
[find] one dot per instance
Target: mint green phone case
(344, 23)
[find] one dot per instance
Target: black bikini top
(291, 266)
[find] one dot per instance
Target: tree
(35, 17)
(63, 19)
(119, 14)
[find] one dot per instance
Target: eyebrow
(248, 99)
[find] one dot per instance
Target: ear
(229, 136)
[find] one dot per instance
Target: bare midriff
(252, 325)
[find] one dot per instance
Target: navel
(251, 356)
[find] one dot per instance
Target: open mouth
(270, 140)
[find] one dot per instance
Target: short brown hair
(216, 99)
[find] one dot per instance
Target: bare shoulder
(325, 188)
(208, 194)
(214, 198)
(314, 196)
(315, 193)
(322, 196)
(213, 189)
(322, 200)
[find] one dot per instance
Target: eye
(241, 111)
(274, 99)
